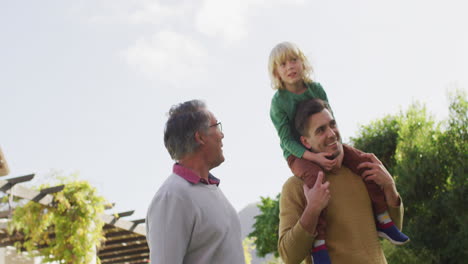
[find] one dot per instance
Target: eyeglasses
(220, 127)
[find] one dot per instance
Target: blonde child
(290, 71)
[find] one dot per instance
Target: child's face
(290, 71)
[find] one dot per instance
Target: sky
(85, 86)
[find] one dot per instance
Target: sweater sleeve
(294, 243)
(170, 223)
(281, 122)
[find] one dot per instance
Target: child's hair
(279, 54)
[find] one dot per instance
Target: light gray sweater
(192, 223)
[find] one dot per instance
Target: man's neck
(196, 165)
(339, 162)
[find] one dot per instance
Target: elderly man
(351, 230)
(189, 219)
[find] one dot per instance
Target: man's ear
(305, 142)
(199, 138)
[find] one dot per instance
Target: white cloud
(229, 18)
(168, 56)
(139, 12)
(153, 12)
(223, 17)
(172, 53)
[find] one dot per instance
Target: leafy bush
(68, 232)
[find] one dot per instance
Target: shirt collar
(191, 177)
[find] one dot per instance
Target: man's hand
(377, 172)
(317, 199)
(318, 196)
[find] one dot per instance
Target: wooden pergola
(125, 240)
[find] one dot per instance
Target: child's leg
(385, 226)
(352, 158)
(304, 169)
(308, 171)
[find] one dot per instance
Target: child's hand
(322, 159)
(324, 162)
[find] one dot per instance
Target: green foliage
(430, 163)
(380, 138)
(75, 221)
(401, 254)
(266, 227)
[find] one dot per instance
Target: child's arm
(320, 159)
(282, 125)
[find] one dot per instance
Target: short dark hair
(304, 110)
(185, 119)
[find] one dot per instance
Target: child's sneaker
(320, 255)
(391, 232)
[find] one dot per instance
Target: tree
(380, 137)
(430, 163)
(69, 232)
(266, 227)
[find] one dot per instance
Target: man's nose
(331, 132)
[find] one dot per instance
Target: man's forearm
(309, 219)
(295, 243)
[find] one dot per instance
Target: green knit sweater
(351, 234)
(282, 112)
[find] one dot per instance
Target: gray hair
(185, 119)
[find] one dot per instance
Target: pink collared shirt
(191, 177)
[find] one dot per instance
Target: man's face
(213, 143)
(323, 134)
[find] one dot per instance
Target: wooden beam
(123, 214)
(126, 225)
(46, 191)
(126, 254)
(137, 260)
(6, 185)
(29, 194)
(124, 257)
(119, 233)
(139, 221)
(130, 240)
(122, 249)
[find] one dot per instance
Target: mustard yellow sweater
(351, 235)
